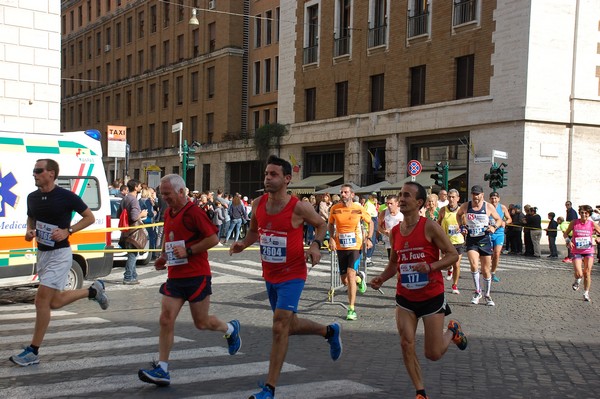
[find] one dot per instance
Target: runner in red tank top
(278, 225)
(416, 243)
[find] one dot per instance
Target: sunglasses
(37, 171)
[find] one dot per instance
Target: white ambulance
(79, 156)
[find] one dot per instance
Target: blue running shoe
(155, 376)
(101, 296)
(25, 358)
(495, 278)
(265, 393)
(234, 340)
(335, 341)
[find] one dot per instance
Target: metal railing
(464, 11)
(377, 36)
(311, 54)
(341, 46)
(418, 24)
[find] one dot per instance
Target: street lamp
(194, 19)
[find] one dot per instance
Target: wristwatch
(70, 230)
(188, 251)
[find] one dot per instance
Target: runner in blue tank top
(498, 236)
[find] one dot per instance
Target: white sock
(229, 329)
(164, 366)
(476, 280)
(487, 286)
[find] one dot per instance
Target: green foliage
(263, 138)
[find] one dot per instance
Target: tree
(263, 138)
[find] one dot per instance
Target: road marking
(121, 382)
(21, 316)
(108, 361)
(321, 389)
(94, 346)
(11, 308)
(258, 265)
(99, 332)
(55, 323)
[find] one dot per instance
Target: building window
(98, 8)
(267, 75)
(118, 106)
(311, 39)
(153, 57)
(152, 98)
(210, 85)
(140, 62)
(98, 110)
(256, 78)
(266, 116)
(210, 128)
(118, 69)
(196, 42)
(276, 73)
(417, 85)
(89, 48)
(164, 137)
(268, 27)
(418, 18)
(195, 88)
(325, 162)
(256, 120)
(165, 91)
(118, 35)
(98, 43)
(140, 24)
(129, 23)
(166, 53)
(465, 70)
(258, 31)
(377, 87)
(139, 138)
(378, 24)
(166, 15)
(212, 37)
(277, 15)
(194, 128)
(180, 10)
(89, 10)
(140, 100)
(341, 99)
(465, 11)
(151, 133)
(343, 9)
(107, 71)
(129, 66)
(310, 104)
(179, 89)
(180, 50)
(129, 100)
(80, 51)
(153, 19)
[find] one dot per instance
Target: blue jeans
(235, 224)
(130, 272)
(373, 238)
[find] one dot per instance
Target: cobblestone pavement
(541, 340)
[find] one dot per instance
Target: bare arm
(389, 271)
(507, 218)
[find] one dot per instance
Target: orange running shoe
(458, 337)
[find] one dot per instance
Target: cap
(245, 198)
(374, 193)
(517, 206)
(494, 194)
(476, 189)
(195, 192)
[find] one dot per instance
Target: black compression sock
(35, 349)
(329, 332)
(271, 388)
(91, 293)
(422, 392)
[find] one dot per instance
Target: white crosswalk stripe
(78, 375)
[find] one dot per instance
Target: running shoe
(455, 289)
(575, 285)
(449, 276)
(101, 296)
(495, 278)
(567, 260)
(351, 315)
(156, 376)
(586, 297)
(488, 301)
(234, 340)
(335, 342)
(362, 286)
(265, 393)
(419, 396)
(458, 337)
(25, 358)
(369, 261)
(476, 298)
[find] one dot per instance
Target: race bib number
(172, 260)
(476, 231)
(43, 231)
(453, 230)
(273, 248)
(412, 279)
(583, 242)
(347, 240)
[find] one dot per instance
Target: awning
(336, 189)
(313, 183)
(374, 188)
(423, 179)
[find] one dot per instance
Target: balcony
(465, 11)
(341, 46)
(377, 36)
(418, 24)
(311, 54)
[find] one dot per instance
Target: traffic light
(493, 177)
(191, 159)
(438, 176)
(503, 180)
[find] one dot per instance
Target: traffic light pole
(184, 160)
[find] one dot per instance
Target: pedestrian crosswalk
(82, 356)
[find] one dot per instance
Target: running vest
(348, 232)
(281, 245)
(477, 221)
(176, 233)
(499, 229)
(412, 249)
(582, 237)
(451, 226)
(390, 221)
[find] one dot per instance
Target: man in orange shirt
(345, 221)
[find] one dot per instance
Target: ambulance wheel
(75, 278)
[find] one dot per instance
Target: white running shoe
(449, 276)
(488, 301)
(586, 297)
(455, 289)
(575, 285)
(476, 297)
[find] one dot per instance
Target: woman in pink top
(582, 248)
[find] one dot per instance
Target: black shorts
(191, 289)
(483, 245)
(425, 308)
(348, 259)
(460, 248)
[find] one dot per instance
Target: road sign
(414, 167)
